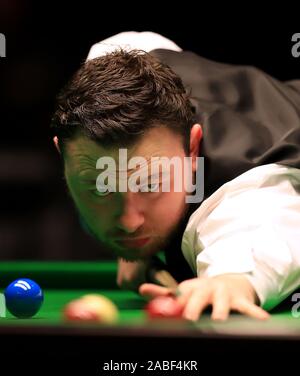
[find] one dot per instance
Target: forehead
(82, 152)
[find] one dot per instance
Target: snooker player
(239, 248)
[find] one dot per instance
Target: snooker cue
(164, 278)
(157, 273)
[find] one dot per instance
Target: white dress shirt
(251, 225)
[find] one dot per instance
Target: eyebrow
(93, 181)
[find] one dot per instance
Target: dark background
(44, 48)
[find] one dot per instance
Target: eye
(102, 190)
(151, 187)
(97, 193)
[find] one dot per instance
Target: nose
(132, 216)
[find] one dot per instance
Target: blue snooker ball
(23, 298)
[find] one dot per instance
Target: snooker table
(49, 336)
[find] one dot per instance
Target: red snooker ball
(164, 307)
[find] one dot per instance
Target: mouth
(133, 243)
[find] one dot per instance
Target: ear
(195, 139)
(55, 140)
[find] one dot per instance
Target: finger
(221, 305)
(151, 290)
(198, 301)
(183, 298)
(251, 310)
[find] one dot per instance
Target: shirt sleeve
(251, 226)
(132, 40)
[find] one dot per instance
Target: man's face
(133, 225)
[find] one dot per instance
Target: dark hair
(114, 99)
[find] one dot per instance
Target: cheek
(97, 216)
(169, 210)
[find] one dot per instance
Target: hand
(225, 292)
